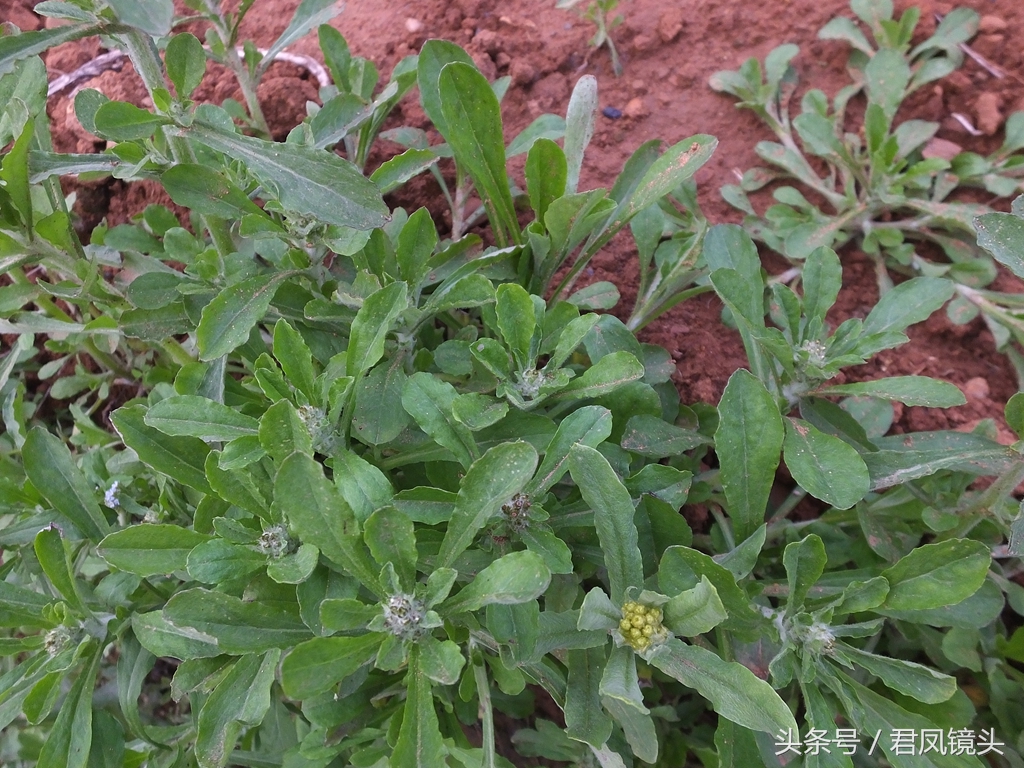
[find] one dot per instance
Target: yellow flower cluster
(641, 625)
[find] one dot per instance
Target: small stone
(413, 25)
(941, 148)
(670, 24)
(643, 42)
(489, 40)
(986, 110)
(976, 388)
(502, 60)
(522, 72)
(635, 108)
(990, 24)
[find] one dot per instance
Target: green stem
(146, 59)
(483, 690)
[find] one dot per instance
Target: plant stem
(146, 59)
(483, 691)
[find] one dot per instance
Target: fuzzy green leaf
(613, 518)
(52, 470)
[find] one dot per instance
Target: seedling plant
(881, 188)
(329, 483)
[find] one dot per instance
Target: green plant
(375, 485)
(884, 193)
(599, 12)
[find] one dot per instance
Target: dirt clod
(987, 112)
(670, 24)
(990, 24)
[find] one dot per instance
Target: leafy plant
(885, 192)
(373, 484)
(599, 13)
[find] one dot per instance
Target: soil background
(669, 50)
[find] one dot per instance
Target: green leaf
(237, 626)
(121, 121)
(162, 638)
(371, 325)
(376, 420)
(308, 181)
(294, 567)
(390, 536)
(228, 320)
(472, 118)
(733, 690)
(637, 726)
(14, 48)
(416, 243)
(282, 432)
(309, 14)
(679, 163)
(434, 56)
(295, 359)
(419, 742)
(517, 321)
(429, 401)
(185, 61)
(515, 578)
(208, 192)
(54, 558)
(194, 416)
(619, 680)
(935, 575)
(585, 718)
(590, 426)
(240, 700)
(22, 607)
(653, 437)
(442, 661)
(14, 174)
(910, 302)
(580, 119)
(318, 665)
(217, 561)
(150, 550)
(153, 17)
(180, 458)
(546, 174)
(51, 469)
(909, 390)
(911, 679)
(607, 375)
(695, 611)
(491, 481)
(825, 466)
(748, 442)
(1002, 235)
(887, 75)
(805, 562)
(399, 169)
(822, 277)
(555, 552)
(70, 738)
(316, 510)
(613, 518)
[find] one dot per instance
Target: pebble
(413, 25)
(635, 108)
(670, 24)
(989, 24)
(976, 388)
(941, 148)
(986, 110)
(611, 113)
